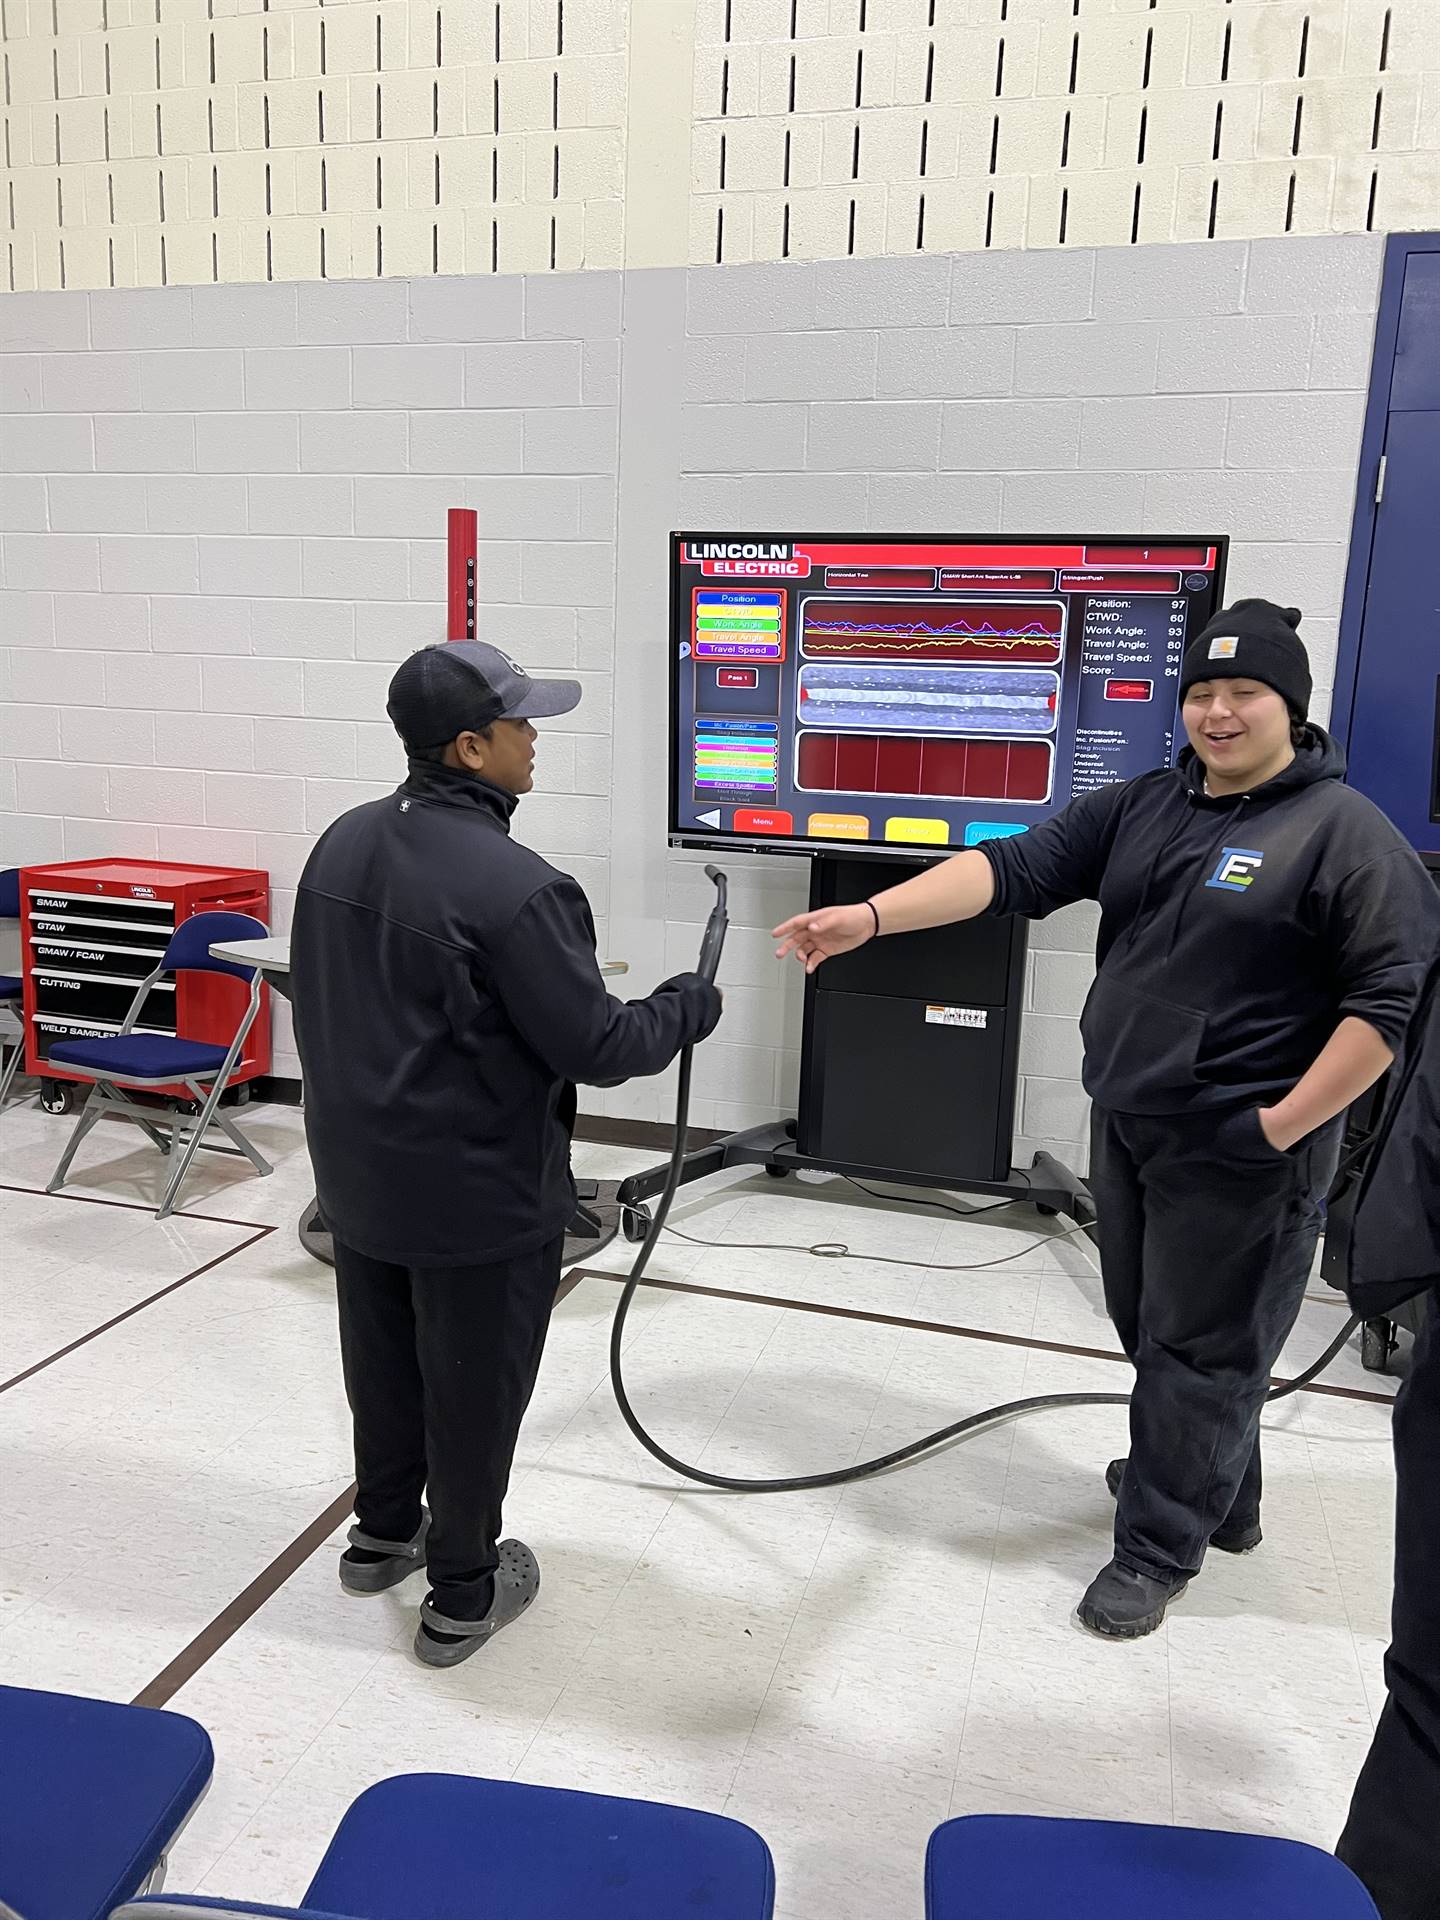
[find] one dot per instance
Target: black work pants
(440, 1363)
(1392, 1838)
(1207, 1235)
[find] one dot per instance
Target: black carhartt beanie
(1253, 640)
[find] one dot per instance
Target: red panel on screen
(930, 768)
(897, 768)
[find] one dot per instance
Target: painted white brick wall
(147, 146)
(198, 642)
(197, 660)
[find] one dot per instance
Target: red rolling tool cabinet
(90, 931)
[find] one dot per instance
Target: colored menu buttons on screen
(735, 626)
(934, 833)
(746, 677)
(979, 831)
(758, 820)
(1129, 689)
(838, 826)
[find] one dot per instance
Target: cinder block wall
(158, 142)
(225, 518)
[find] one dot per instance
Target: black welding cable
(861, 1469)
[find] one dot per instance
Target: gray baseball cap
(464, 685)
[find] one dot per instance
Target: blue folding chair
(1015, 1867)
(147, 1061)
(92, 1796)
(436, 1843)
(12, 987)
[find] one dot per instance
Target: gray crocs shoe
(517, 1581)
(402, 1558)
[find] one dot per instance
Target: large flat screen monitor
(891, 694)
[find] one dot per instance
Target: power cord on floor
(840, 1250)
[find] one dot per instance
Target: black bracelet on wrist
(875, 916)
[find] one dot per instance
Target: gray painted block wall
(224, 514)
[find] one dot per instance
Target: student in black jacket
(1392, 1838)
(447, 998)
(1263, 936)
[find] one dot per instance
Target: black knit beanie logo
(1253, 640)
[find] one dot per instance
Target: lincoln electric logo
(1237, 869)
(747, 559)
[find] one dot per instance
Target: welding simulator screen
(900, 692)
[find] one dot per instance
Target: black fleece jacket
(446, 998)
(1395, 1247)
(1235, 933)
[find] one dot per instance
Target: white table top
(272, 955)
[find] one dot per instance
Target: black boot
(1123, 1605)
(1234, 1535)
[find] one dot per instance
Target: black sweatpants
(440, 1363)
(1207, 1235)
(1392, 1838)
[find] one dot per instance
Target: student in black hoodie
(447, 998)
(1263, 935)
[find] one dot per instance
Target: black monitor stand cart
(908, 1065)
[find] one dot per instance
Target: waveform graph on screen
(921, 766)
(870, 695)
(958, 632)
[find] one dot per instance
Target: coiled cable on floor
(882, 1463)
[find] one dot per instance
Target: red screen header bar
(998, 553)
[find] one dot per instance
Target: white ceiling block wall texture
(153, 143)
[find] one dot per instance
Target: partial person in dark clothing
(447, 998)
(1392, 1838)
(1264, 933)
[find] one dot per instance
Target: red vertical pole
(461, 623)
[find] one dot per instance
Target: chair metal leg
(11, 1068)
(180, 1167)
(251, 1152)
(89, 1114)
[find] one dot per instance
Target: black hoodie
(1235, 933)
(446, 998)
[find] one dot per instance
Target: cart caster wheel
(777, 1173)
(634, 1223)
(1377, 1343)
(242, 1094)
(57, 1096)
(1047, 1213)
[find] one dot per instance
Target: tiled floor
(841, 1668)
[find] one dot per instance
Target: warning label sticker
(956, 1017)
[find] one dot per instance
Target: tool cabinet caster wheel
(57, 1096)
(1046, 1213)
(777, 1173)
(1377, 1343)
(634, 1223)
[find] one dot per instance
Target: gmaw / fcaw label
(956, 1017)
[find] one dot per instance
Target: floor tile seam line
(139, 1306)
(1339, 1576)
(1013, 1428)
(984, 1334)
(984, 1608)
(578, 1662)
(236, 1613)
(256, 1588)
(132, 1206)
